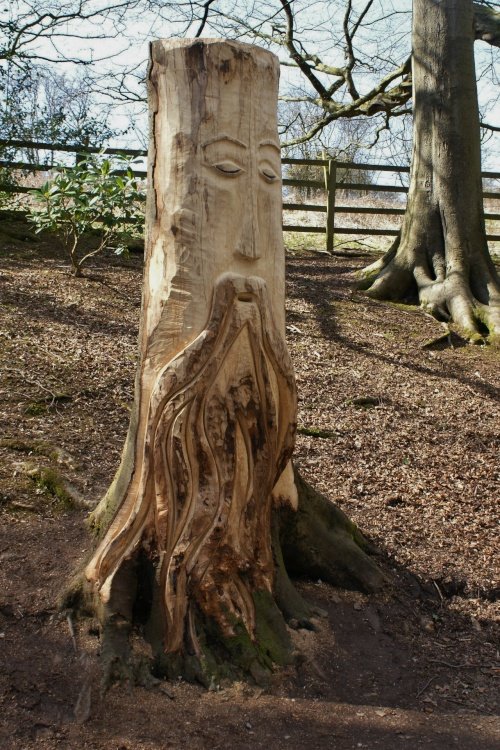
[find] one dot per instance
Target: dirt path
(404, 438)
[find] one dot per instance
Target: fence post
(330, 186)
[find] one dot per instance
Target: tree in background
(344, 142)
(38, 31)
(441, 256)
(340, 77)
(366, 79)
(45, 45)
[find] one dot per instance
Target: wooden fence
(332, 187)
(329, 184)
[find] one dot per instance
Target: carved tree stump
(216, 400)
(188, 542)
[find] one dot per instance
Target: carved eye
(269, 174)
(228, 168)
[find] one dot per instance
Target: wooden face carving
(243, 188)
(241, 169)
(217, 176)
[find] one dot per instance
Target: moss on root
(236, 656)
(28, 446)
(51, 484)
(222, 657)
(100, 518)
(320, 541)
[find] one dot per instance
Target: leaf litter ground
(403, 436)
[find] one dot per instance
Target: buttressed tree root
(463, 292)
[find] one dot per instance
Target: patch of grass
(304, 242)
(403, 306)
(42, 406)
(36, 409)
(352, 246)
(364, 402)
(52, 485)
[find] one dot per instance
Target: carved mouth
(246, 297)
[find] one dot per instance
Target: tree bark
(441, 256)
(192, 527)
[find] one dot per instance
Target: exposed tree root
(319, 541)
(464, 293)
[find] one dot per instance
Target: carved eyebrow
(270, 143)
(224, 137)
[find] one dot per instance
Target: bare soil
(403, 436)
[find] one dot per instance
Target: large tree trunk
(441, 254)
(192, 528)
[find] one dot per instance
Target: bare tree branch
(487, 126)
(203, 21)
(294, 53)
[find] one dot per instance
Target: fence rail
(330, 184)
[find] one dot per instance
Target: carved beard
(219, 435)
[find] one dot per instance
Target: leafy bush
(98, 196)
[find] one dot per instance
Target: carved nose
(249, 245)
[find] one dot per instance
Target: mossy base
(317, 540)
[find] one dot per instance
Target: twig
(312, 432)
(52, 354)
(454, 666)
(203, 21)
(438, 590)
(473, 391)
(32, 381)
(83, 704)
(72, 632)
(426, 686)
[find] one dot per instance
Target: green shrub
(97, 195)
